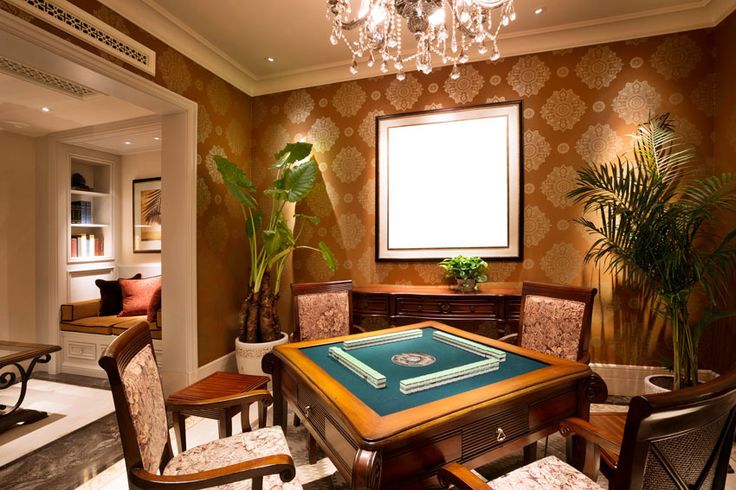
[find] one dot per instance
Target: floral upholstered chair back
(322, 310)
(131, 367)
(554, 324)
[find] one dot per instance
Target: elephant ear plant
(662, 229)
(271, 239)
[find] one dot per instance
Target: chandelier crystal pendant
(447, 29)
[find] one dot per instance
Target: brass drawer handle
(500, 435)
(308, 411)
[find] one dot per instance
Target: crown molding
(160, 23)
(698, 14)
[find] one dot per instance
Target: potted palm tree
(271, 241)
(658, 227)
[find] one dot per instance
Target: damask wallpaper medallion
(580, 105)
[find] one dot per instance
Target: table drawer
(370, 304)
(492, 431)
(447, 306)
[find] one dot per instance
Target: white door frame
(25, 42)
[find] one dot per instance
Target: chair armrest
(590, 433)
(281, 464)
(246, 398)
(461, 477)
(79, 309)
(510, 338)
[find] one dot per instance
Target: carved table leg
(530, 453)
(10, 416)
(271, 365)
(580, 454)
(367, 469)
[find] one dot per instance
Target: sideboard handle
(308, 411)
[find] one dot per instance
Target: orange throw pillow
(137, 294)
(154, 305)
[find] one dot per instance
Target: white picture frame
(449, 182)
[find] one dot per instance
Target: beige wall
(138, 166)
(17, 238)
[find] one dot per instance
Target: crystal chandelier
(449, 29)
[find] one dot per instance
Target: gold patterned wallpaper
(579, 105)
(223, 129)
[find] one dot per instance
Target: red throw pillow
(137, 295)
(154, 305)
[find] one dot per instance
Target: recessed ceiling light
(270, 59)
(157, 138)
(539, 10)
(45, 109)
(128, 142)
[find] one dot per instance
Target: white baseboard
(628, 380)
(225, 363)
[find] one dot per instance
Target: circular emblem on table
(413, 359)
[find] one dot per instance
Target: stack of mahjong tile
(382, 339)
(373, 377)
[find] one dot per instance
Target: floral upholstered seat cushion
(545, 474)
(552, 326)
(323, 315)
(232, 450)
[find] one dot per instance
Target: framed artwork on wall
(449, 182)
(147, 215)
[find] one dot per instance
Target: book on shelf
(81, 212)
(87, 245)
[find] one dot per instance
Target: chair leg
(180, 430)
(225, 425)
(297, 422)
(312, 449)
(245, 418)
(262, 415)
(530, 453)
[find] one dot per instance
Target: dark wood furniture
(558, 291)
(680, 439)
(217, 385)
(123, 350)
(306, 288)
(493, 311)
(13, 354)
(406, 448)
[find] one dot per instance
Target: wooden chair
(321, 310)
(260, 456)
(678, 440)
(555, 320)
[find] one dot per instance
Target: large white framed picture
(449, 183)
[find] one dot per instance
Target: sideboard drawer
(447, 306)
(370, 304)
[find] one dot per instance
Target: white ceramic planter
(650, 388)
(248, 356)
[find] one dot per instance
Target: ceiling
(21, 104)
(234, 39)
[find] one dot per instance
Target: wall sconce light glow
(157, 138)
(128, 142)
(270, 59)
(45, 109)
(539, 10)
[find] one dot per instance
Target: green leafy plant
(271, 240)
(467, 270)
(657, 225)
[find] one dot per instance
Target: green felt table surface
(389, 400)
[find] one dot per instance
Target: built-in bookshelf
(90, 219)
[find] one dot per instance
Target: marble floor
(90, 458)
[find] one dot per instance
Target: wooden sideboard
(493, 311)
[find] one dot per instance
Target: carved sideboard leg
(367, 470)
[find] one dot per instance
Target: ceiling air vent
(48, 80)
(92, 30)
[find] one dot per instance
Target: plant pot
(466, 285)
(658, 383)
(249, 355)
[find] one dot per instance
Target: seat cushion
(545, 474)
(232, 450)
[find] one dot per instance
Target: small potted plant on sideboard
(467, 272)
